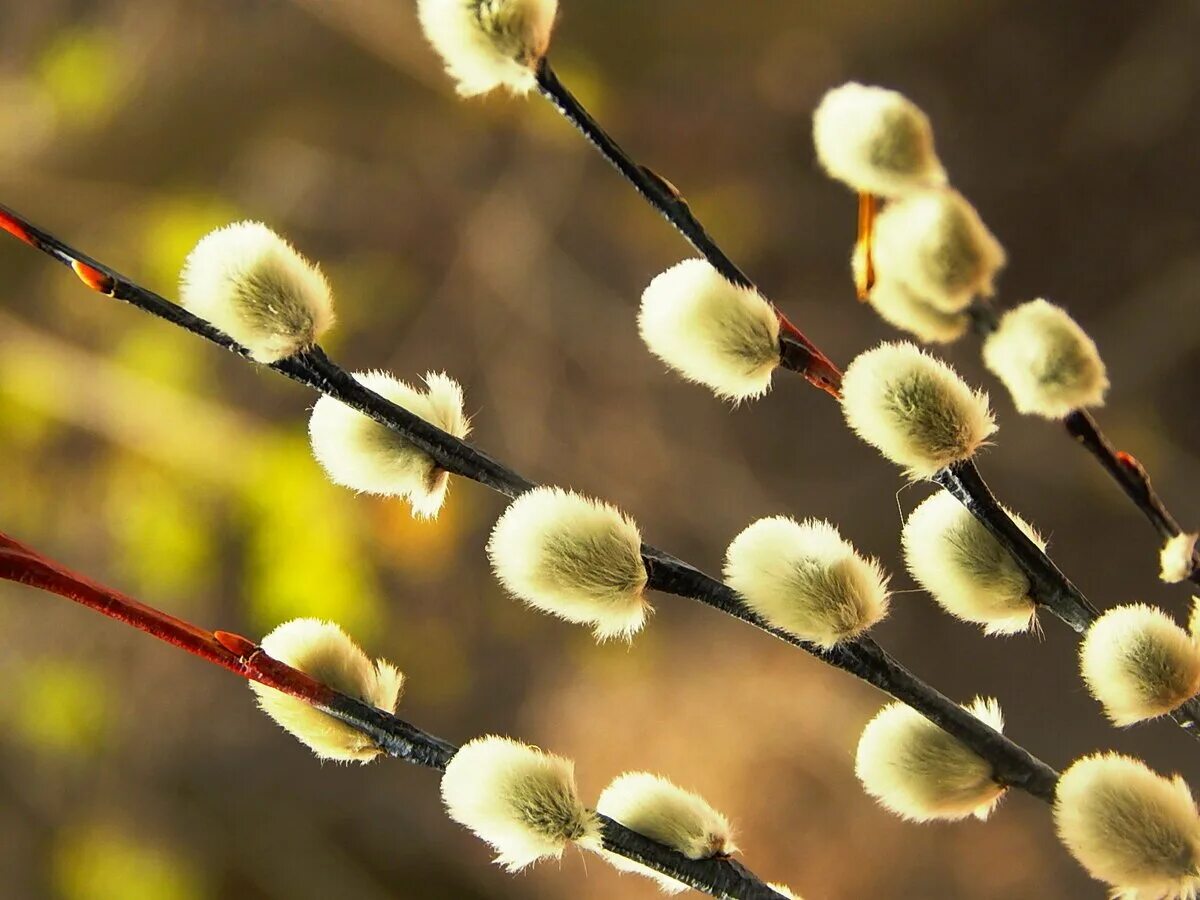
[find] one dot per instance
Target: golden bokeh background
(484, 238)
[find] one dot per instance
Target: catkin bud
(487, 44)
(519, 799)
(359, 453)
(253, 285)
(1047, 362)
(804, 578)
(936, 244)
(967, 571)
(875, 140)
(1130, 827)
(661, 811)
(920, 772)
(322, 651)
(914, 409)
(1139, 664)
(901, 308)
(710, 330)
(1177, 557)
(574, 557)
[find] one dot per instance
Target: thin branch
(862, 658)
(798, 353)
(397, 738)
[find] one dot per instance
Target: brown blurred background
(486, 239)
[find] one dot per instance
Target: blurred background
(486, 239)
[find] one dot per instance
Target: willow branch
(798, 353)
(397, 738)
(861, 658)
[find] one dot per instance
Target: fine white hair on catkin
(919, 772)
(805, 578)
(1130, 827)
(965, 569)
(936, 244)
(359, 453)
(875, 140)
(253, 285)
(574, 557)
(487, 44)
(519, 799)
(1138, 663)
(1177, 556)
(323, 651)
(710, 330)
(658, 809)
(901, 308)
(1047, 362)
(914, 409)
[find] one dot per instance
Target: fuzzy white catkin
(901, 308)
(710, 330)
(322, 651)
(875, 140)
(804, 578)
(359, 453)
(1138, 663)
(519, 799)
(920, 772)
(487, 44)
(574, 557)
(253, 285)
(1047, 362)
(1130, 827)
(1176, 558)
(936, 244)
(966, 570)
(914, 409)
(656, 808)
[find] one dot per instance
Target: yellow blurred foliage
(162, 532)
(60, 707)
(419, 547)
(77, 73)
(304, 555)
(103, 863)
(170, 227)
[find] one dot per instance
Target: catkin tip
(914, 409)
(935, 243)
(711, 331)
(325, 653)
(574, 557)
(1047, 362)
(363, 455)
(805, 578)
(920, 772)
(875, 140)
(1139, 664)
(660, 810)
(487, 44)
(519, 799)
(252, 284)
(965, 569)
(1177, 557)
(1130, 827)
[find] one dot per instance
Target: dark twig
(863, 659)
(798, 353)
(394, 736)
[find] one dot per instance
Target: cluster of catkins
(580, 558)
(521, 800)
